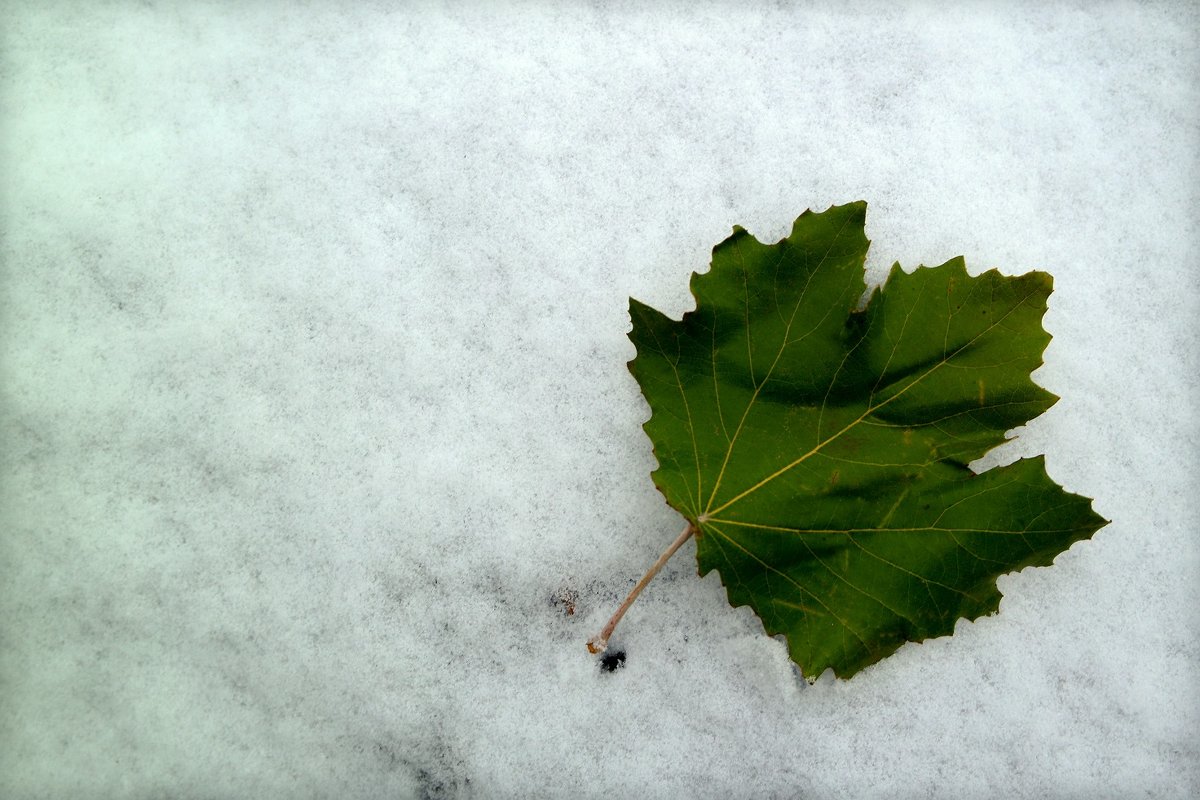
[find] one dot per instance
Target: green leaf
(819, 449)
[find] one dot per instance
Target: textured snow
(315, 418)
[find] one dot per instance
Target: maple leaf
(819, 450)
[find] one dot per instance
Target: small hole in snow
(611, 662)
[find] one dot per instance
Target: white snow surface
(314, 398)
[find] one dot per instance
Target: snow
(312, 344)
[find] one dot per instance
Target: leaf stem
(599, 642)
